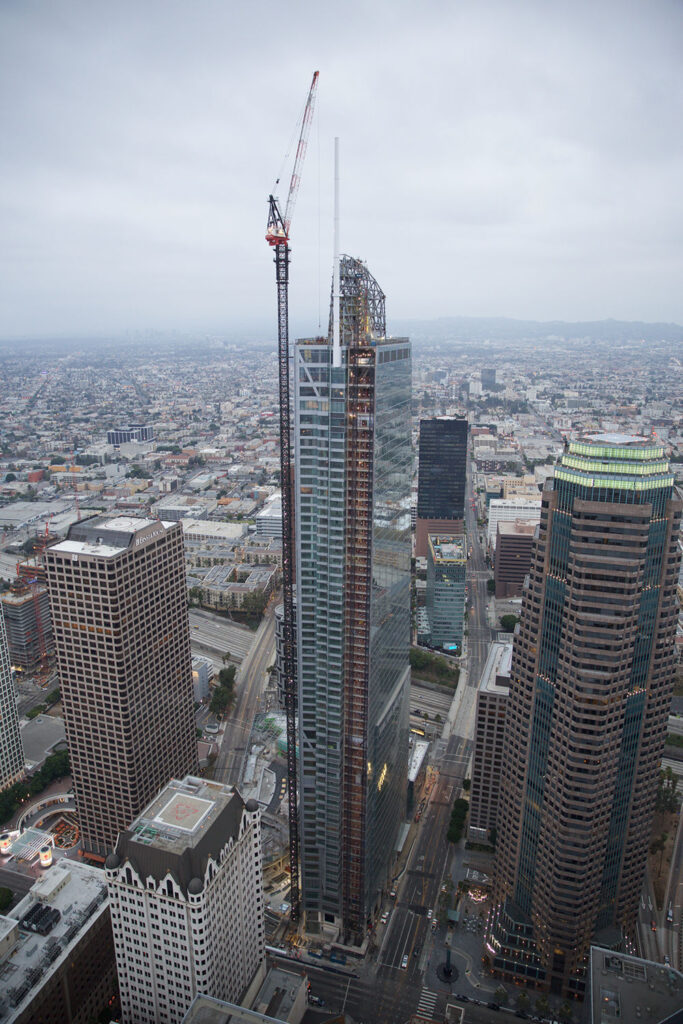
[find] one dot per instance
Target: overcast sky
(517, 159)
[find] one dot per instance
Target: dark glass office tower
(353, 470)
(590, 689)
(441, 478)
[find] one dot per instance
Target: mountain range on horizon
(439, 330)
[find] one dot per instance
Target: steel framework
(362, 318)
(277, 236)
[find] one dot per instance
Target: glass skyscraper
(590, 689)
(442, 470)
(353, 547)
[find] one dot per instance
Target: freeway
(249, 685)
(212, 634)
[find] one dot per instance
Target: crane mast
(277, 236)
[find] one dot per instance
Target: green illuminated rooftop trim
(631, 468)
(615, 482)
(629, 454)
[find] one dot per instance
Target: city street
(249, 686)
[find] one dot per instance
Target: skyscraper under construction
(353, 467)
(586, 716)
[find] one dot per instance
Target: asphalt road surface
(17, 882)
(249, 686)
(214, 634)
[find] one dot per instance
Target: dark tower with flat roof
(441, 478)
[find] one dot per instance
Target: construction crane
(277, 236)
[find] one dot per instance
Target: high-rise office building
(119, 611)
(185, 887)
(441, 479)
(489, 732)
(445, 595)
(11, 747)
(28, 624)
(586, 716)
(353, 462)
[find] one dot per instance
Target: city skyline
(528, 167)
(214, 457)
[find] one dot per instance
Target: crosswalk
(425, 1007)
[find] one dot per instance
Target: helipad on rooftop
(184, 811)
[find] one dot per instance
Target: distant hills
(501, 329)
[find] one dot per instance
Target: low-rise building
(183, 506)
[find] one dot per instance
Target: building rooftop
(626, 989)
(516, 527)
(207, 1010)
(447, 547)
(187, 822)
(181, 813)
(107, 536)
(78, 892)
(618, 461)
(498, 664)
(279, 992)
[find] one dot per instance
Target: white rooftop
(79, 547)
(498, 663)
(131, 524)
(79, 892)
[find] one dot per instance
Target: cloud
(497, 158)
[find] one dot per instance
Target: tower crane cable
(277, 236)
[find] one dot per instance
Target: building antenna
(336, 301)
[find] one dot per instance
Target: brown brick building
(119, 610)
(513, 557)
